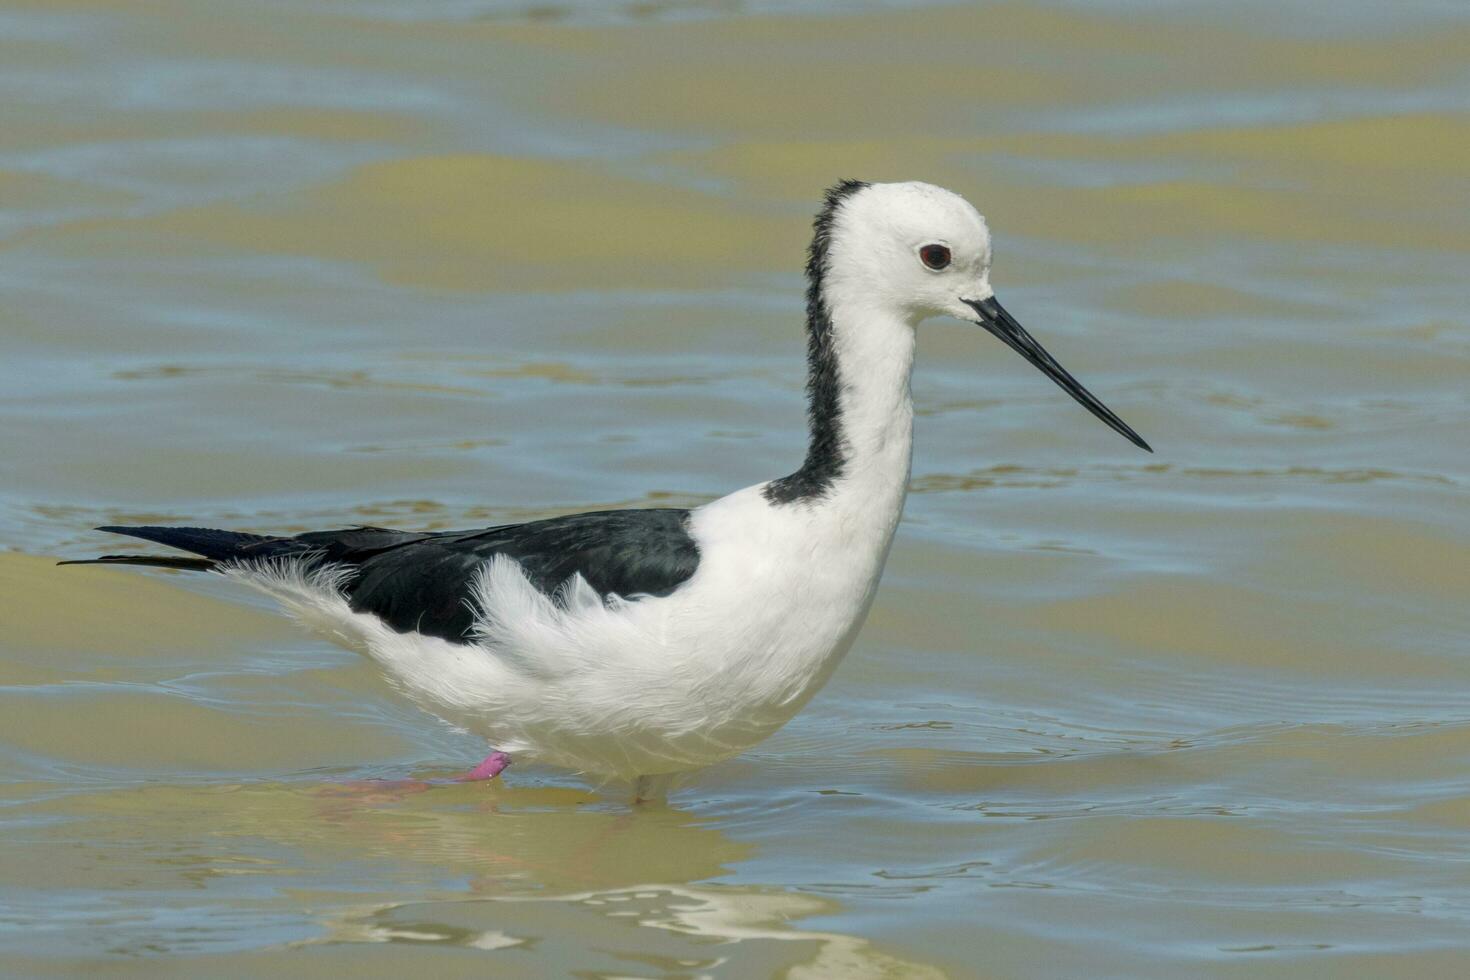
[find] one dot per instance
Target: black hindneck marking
(825, 455)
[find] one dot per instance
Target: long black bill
(993, 317)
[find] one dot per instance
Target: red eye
(935, 256)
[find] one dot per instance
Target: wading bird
(639, 644)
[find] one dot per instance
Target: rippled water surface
(273, 265)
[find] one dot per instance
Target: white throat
(875, 358)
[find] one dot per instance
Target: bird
(639, 645)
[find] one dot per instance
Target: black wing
(421, 581)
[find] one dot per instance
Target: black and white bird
(639, 644)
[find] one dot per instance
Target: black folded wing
(421, 581)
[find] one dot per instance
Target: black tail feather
(154, 561)
(211, 543)
(215, 547)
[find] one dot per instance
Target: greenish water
(274, 265)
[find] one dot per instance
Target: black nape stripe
(825, 454)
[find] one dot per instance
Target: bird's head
(915, 251)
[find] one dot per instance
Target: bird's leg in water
(375, 790)
(495, 763)
(651, 789)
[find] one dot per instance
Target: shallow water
(274, 265)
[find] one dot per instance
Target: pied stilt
(638, 644)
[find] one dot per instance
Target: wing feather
(424, 582)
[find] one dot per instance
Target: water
(276, 265)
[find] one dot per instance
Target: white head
(911, 251)
(913, 248)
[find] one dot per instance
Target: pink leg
(494, 764)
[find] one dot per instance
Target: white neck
(875, 357)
